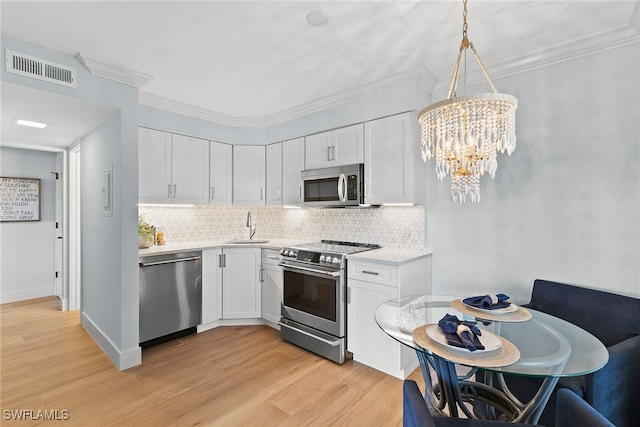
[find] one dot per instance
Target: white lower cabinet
(369, 285)
(241, 290)
(211, 286)
(271, 286)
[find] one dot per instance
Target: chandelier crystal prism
(465, 133)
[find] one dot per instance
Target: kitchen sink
(245, 242)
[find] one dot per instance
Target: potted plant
(146, 233)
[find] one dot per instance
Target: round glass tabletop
(548, 346)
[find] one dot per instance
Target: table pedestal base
(454, 395)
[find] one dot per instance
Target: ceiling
(260, 62)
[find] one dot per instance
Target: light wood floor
(232, 376)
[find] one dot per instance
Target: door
(388, 160)
(241, 287)
(274, 174)
(211, 285)
(292, 165)
(318, 150)
(58, 226)
(248, 175)
(190, 170)
(220, 163)
(75, 229)
(348, 145)
(154, 166)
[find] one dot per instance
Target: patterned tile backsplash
(389, 226)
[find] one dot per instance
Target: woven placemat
(506, 354)
(520, 315)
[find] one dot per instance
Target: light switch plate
(107, 191)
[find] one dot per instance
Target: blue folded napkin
(486, 302)
(461, 333)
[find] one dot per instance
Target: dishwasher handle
(170, 261)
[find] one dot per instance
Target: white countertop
(275, 244)
(389, 256)
(383, 255)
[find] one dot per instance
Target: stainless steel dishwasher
(170, 295)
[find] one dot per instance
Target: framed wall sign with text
(19, 199)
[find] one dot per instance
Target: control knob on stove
(336, 260)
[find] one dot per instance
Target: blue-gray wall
(109, 295)
(27, 263)
(565, 205)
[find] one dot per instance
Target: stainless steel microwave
(333, 187)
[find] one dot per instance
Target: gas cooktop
(337, 247)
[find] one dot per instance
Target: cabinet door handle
(333, 152)
(213, 193)
(222, 260)
(261, 275)
(348, 295)
(329, 153)
(277, 258)
(168, 191)
(262, 194)
(373, 273)
(279, 193)
(175, 191)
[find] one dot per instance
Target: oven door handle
(331, 343)
(312, 270)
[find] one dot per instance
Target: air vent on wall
(30, 66)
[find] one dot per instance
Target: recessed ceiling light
(29, 123)
(318, 18)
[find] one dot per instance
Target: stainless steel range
(315, 296)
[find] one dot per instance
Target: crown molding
(119, 74)
(166, 104)
(614, 39)
(407, 77)
(419, 75)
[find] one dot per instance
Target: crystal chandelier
(465, 133)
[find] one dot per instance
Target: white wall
(27, 263)
(566, 205)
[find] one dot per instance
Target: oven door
(315, 298)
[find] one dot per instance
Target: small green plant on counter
(146, 230)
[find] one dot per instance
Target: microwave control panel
(352, 187)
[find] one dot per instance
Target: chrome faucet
(252, 226)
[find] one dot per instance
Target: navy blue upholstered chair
(612, 391)
(573, 411)
(415, 412)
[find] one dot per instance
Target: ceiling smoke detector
(318, 18)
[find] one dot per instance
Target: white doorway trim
(75, 230)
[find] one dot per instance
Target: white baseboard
(25, 294)
(121, 359)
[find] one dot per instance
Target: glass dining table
(518, 341)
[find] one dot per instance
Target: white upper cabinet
(154, 166)
(248, 175)
(394, 170)
(220, 167)
(274, 174)
(292, 165)
(190, 170)
(338, 147)
(172, 168)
